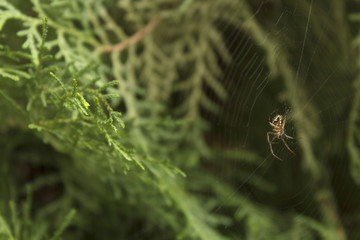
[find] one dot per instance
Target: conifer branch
(134, 38)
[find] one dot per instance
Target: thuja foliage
(95, 81)
(105, 121)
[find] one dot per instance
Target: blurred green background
(148, 119)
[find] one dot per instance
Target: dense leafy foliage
(115, 119)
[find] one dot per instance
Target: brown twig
(134, 38)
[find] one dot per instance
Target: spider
(278, 125)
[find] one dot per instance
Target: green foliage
(353, 131)
(106, 121)
(353, 136)
(68, 100)
(23, 227)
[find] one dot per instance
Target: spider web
(324, 82)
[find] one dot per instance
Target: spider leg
(287, 136)
(287, 146)
(270, 115)
(271, 141)
(273, 125)
(268, 139)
